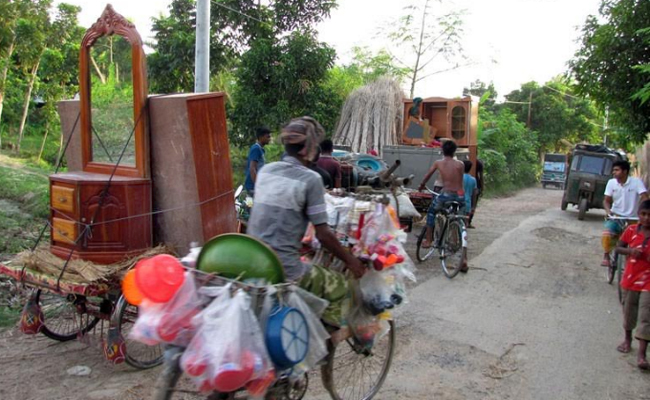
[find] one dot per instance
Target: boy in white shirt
(622, 196)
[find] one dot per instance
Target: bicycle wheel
(138, 355)
(65, 318)
(611, 270)
(620, 267)
(355, 373)
(451, 250)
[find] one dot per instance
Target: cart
(65, 310)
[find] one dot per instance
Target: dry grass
(372, 116)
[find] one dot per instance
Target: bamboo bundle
(372, 117)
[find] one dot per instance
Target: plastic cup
(159, 277)
(130, 289)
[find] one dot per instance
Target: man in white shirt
(622, 196)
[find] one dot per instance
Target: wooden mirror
(113, 95)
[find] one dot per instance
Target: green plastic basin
(233, 255)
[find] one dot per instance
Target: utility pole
(530, 106)
(202, 53)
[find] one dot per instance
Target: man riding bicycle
(289, 195)
(622, 196)
(451, 173)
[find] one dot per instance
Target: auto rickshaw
(591, 168)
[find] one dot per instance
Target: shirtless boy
(451, 173)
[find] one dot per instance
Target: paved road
(534, 319)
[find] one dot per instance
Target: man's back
(330, 165)
(451, 173)
(288, 195)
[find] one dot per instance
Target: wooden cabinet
(103, 212)
(107, 227)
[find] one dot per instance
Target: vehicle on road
(591, 168)
(554, 170)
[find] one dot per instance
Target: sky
(509, 42)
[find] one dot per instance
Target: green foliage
(508, 151)
(556, 114)
(609, 66)
(277, 81)
(487, 93)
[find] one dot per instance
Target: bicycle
(350, 371)
(449, 239)
(617, 261)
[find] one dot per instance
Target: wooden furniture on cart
(102, 213)
(455, 119)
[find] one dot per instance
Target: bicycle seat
(234, 255)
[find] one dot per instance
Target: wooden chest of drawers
(97, 226)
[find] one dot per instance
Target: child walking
(635, 283)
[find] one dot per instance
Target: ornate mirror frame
(108, 24)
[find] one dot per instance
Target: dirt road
(533, 319)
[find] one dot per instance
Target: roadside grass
(24, 204)
(24, 208)
(9, 316)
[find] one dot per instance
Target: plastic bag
(365, 326)
(169, 322)
(238, 357)
(405, 206)
(312, 308)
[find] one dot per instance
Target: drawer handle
(64, 234)
(62, 199)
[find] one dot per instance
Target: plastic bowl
(234, 255)
(159, 277)
(130, 289)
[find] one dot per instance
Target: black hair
(622, 164)
(327, 146)
(449, 148)
(262, 131)
(645, 205)
(468, 166)
(294, 149)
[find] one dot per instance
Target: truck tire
(582, 209)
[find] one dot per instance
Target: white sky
(511, 41)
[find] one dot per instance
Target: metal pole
(202, 57)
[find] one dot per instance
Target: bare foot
(464, 268)
(425, 244)
(624, 347)
(605, 262)
(643, 364)
(471, 227)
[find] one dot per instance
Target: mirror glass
(111, 99)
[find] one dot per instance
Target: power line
(237, 11)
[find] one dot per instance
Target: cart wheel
(138, 355)
(564, 205)
(65, 318)
(355, 373)
(582, 209)
(543, 186)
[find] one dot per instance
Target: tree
(427, 38)
(478, 88)
(280, 80)
(555, 113)
(609, 66)
(35, 36)
(234, 25)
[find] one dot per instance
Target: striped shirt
(288, 196)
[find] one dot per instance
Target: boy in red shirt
(635, 282)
